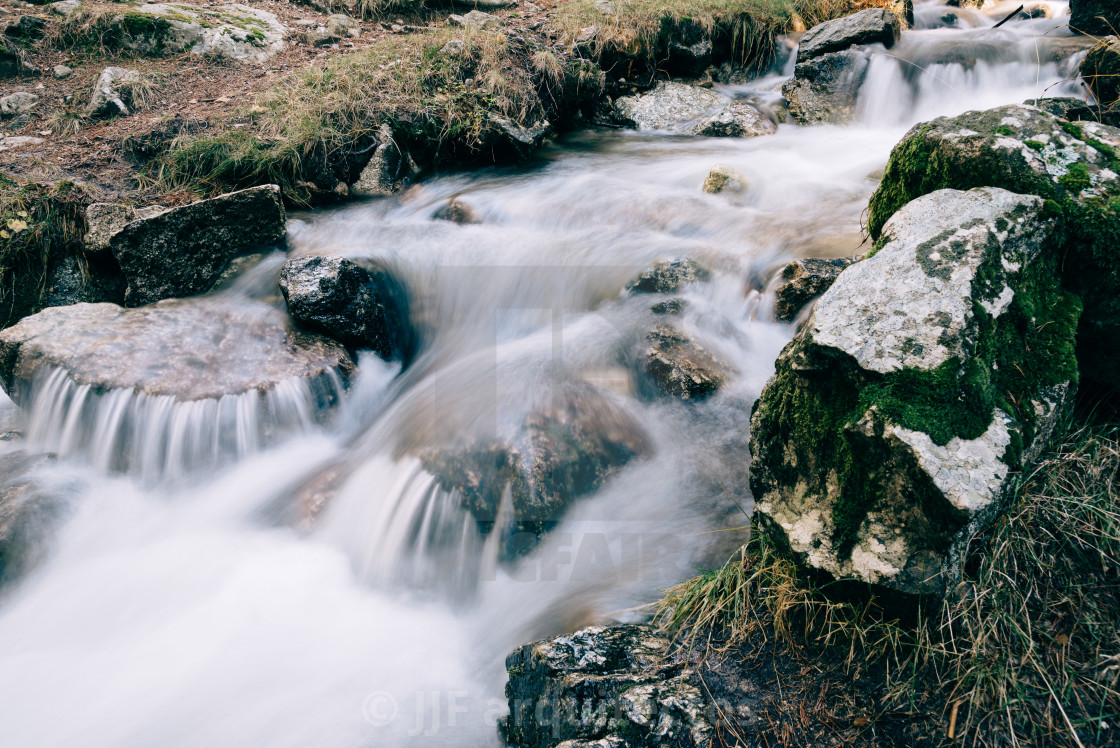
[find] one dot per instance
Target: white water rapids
(175, 605)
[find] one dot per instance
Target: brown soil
(195, 89)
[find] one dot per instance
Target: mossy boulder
(1074, 167)
(927, 377)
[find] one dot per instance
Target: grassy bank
(1026, 651)
(442, 102)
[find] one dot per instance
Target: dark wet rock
(76, 278)
(188, 350)
(801, 281)
(669, 306)
(182, 251)
(1075, 167)
(669, 276)
(679, 367)
(690, 59)
(825, 88)
(563, 451)
(1101, 70)
(359, 305)
(603, 686)
(153, 140)
(871, 26)
(457, 211)
(927, 378)
(520, 140)
(1096, 17)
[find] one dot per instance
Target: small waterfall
(403, 530)
(158, 437)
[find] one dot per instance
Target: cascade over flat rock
(189, 350)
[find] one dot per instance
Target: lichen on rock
(925, 377)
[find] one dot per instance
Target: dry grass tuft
(1026, 651)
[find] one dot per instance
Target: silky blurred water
(187, 607)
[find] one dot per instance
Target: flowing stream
(177, 602)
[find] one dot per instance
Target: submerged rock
(360, 305)
(1096, 17)
(669, 276)
(563, 451)
(927, 377)
(602, 686)
(188, 350)
(1074, 166)
(679, 367)
(801, 281)
(871, 26)
(182, 251)
(825, 89)
(28, 514)
(457, 211)
(691, 110)
(723, 179)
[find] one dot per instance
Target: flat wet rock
(186, 350)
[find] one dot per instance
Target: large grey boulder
(871, 26)
(1074, 166)
(183, 349)
(237, 33)
(1096, 17)
(602, 686)
(824, 89)
(691, 110)
(476, 20)
(360, 305)
(182, 251)
(928, 376)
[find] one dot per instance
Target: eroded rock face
(1096, 17)
(183, 349)
(824, 89)
(1075, 167)
(679, 367)
(602, 686)
(927, 376)
(359, 304)
(802, 281)
(871, 26)
(563, 451)
(182, 251)
(692, 110)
